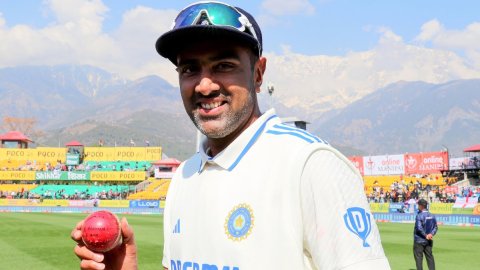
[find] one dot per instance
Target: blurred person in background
(425, 229)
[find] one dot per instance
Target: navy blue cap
(170, 43)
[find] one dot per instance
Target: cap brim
(169, 44)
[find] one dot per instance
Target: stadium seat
(156, 190)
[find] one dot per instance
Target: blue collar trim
(250, 143)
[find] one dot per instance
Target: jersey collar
(232, 155)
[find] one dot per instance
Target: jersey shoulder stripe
(276, 132)
(282, 129)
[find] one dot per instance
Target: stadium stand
(17, 187)
(139, 173)
(156, 190)
(117, 165)
(21, 165)
(80, 191)
(15, 190)
(93, 173)
(386, 181)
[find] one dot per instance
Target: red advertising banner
(423, 163)
(358, 163)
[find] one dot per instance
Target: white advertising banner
(463, 163)
(384, 165)
(465, 202)
(456, 163)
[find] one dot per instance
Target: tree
(24, 125)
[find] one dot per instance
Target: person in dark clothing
(425, 229)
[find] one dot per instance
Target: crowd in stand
(400, 191)
(27, 166)
(84, 195)
(86, 166)
(108, 193)
(121, 166)
(24, 194)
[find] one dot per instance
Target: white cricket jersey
(276, 198)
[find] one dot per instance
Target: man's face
(218, 83)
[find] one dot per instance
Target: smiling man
(259, 194)
(216, 81)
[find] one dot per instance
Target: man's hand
(429, 236)
(124, 257)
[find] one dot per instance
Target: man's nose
(206, 86)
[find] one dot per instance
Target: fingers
(83, 252)
(91, 265)
(89, 259)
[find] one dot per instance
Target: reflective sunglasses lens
(224, 15)
(218, 15)
(187, 16)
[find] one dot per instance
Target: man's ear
(260, 67)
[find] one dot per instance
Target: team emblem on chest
(239, 222)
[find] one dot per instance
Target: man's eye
(185, 69)
(224, 66)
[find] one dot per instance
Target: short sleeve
(166, 237)
(339, 229)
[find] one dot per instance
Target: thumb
(127, 232)
(129, 240)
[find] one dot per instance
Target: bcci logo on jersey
(239, 222)
(358, 222)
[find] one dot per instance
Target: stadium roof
(168, 161)
(14, 136)
(74, 143)
(473, 148)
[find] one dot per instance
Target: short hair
(422, 202)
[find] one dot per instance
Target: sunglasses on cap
(214, 13)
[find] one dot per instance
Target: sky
(346, 48)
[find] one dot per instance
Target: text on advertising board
(144, 204)
(423, 163)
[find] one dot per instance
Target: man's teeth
(209, 106)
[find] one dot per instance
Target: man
(259, 194)
(425, 229)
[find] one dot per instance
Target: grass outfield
(42, 241)
(454, 247)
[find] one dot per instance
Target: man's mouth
(209, 106)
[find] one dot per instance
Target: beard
(226, 124)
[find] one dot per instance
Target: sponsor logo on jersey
(179, 265)
(239, 222)
(358, 221)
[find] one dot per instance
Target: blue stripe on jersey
(275, 132)
(250, 143)
(307, 134)
(297, 132)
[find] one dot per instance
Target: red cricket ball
(101, 231)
